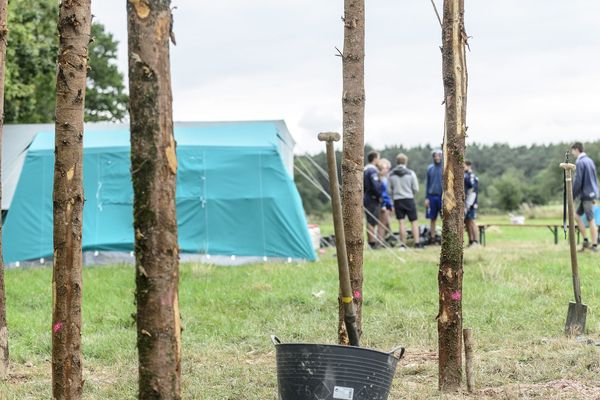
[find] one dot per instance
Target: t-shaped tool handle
(329, 137)
(569, 168)
(340, 239)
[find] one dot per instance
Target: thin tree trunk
(451, 259)
(154, 168)
(353, 103)
(74, 34)
(3, 326)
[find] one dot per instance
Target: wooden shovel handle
(569, 168)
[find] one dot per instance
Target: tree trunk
(353, 103)
(154, 168)
(74, 36)
(3, 326)
(451, 259)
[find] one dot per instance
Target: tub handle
(275, 340)
(397, 352)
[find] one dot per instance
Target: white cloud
(534, 67)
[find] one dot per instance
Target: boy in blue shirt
(434, 191)
(372, 197)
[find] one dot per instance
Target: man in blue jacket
(372, 197)
(434, 191)
(585, 187)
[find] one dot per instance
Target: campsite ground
(516, 293)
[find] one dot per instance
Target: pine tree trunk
(154, 168)
(3, 326)
(353, 103)
(74, 35)
(451, 259)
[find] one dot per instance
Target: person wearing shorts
(585, 187)
(384, 229)
(403, 186)
(434, 191)
(471, 203)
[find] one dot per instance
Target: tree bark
(154, 168)
(353, 104)
(451, 259)
(74, 36)
(3, 325)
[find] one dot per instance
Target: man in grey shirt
(403, 186)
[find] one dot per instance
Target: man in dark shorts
(471, 203)
(403, 188)
(372, 197)
(434, 191)
(585, 187)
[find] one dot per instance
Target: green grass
(516, 293)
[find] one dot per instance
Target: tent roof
(19, 138)
(224, 134)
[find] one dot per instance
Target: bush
(508, 192)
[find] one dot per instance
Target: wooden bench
(553, 228)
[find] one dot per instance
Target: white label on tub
(343, 393)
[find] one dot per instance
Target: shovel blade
(576, 316)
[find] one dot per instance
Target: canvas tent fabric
(17, 138)
(14, 150)
(235, 194)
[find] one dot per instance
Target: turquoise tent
(235, 194)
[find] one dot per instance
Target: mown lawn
(516, 293)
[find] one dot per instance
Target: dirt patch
(560, 389)
(415, 357)
(18, 378)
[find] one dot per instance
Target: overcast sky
(534, 67)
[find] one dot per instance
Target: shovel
(576, 316)
(340, 239)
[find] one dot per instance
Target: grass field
(516, 293)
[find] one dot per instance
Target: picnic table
(553, 228)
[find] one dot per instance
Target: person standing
(403, 188)
(471, 203)
(585, 187)
(384, 229)
(434, 191)
(372, 197)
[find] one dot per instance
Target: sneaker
(594, 249)
(420, 246)
(585, 246)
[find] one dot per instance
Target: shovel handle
(329, 137)
(569, 168)
(340, 238)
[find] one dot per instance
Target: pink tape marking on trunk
(357, 294)
(57, 327)
(456, 296)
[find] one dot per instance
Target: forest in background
(509, 176)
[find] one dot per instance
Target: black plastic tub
(333, 372)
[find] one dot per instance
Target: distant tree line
(509, 175)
